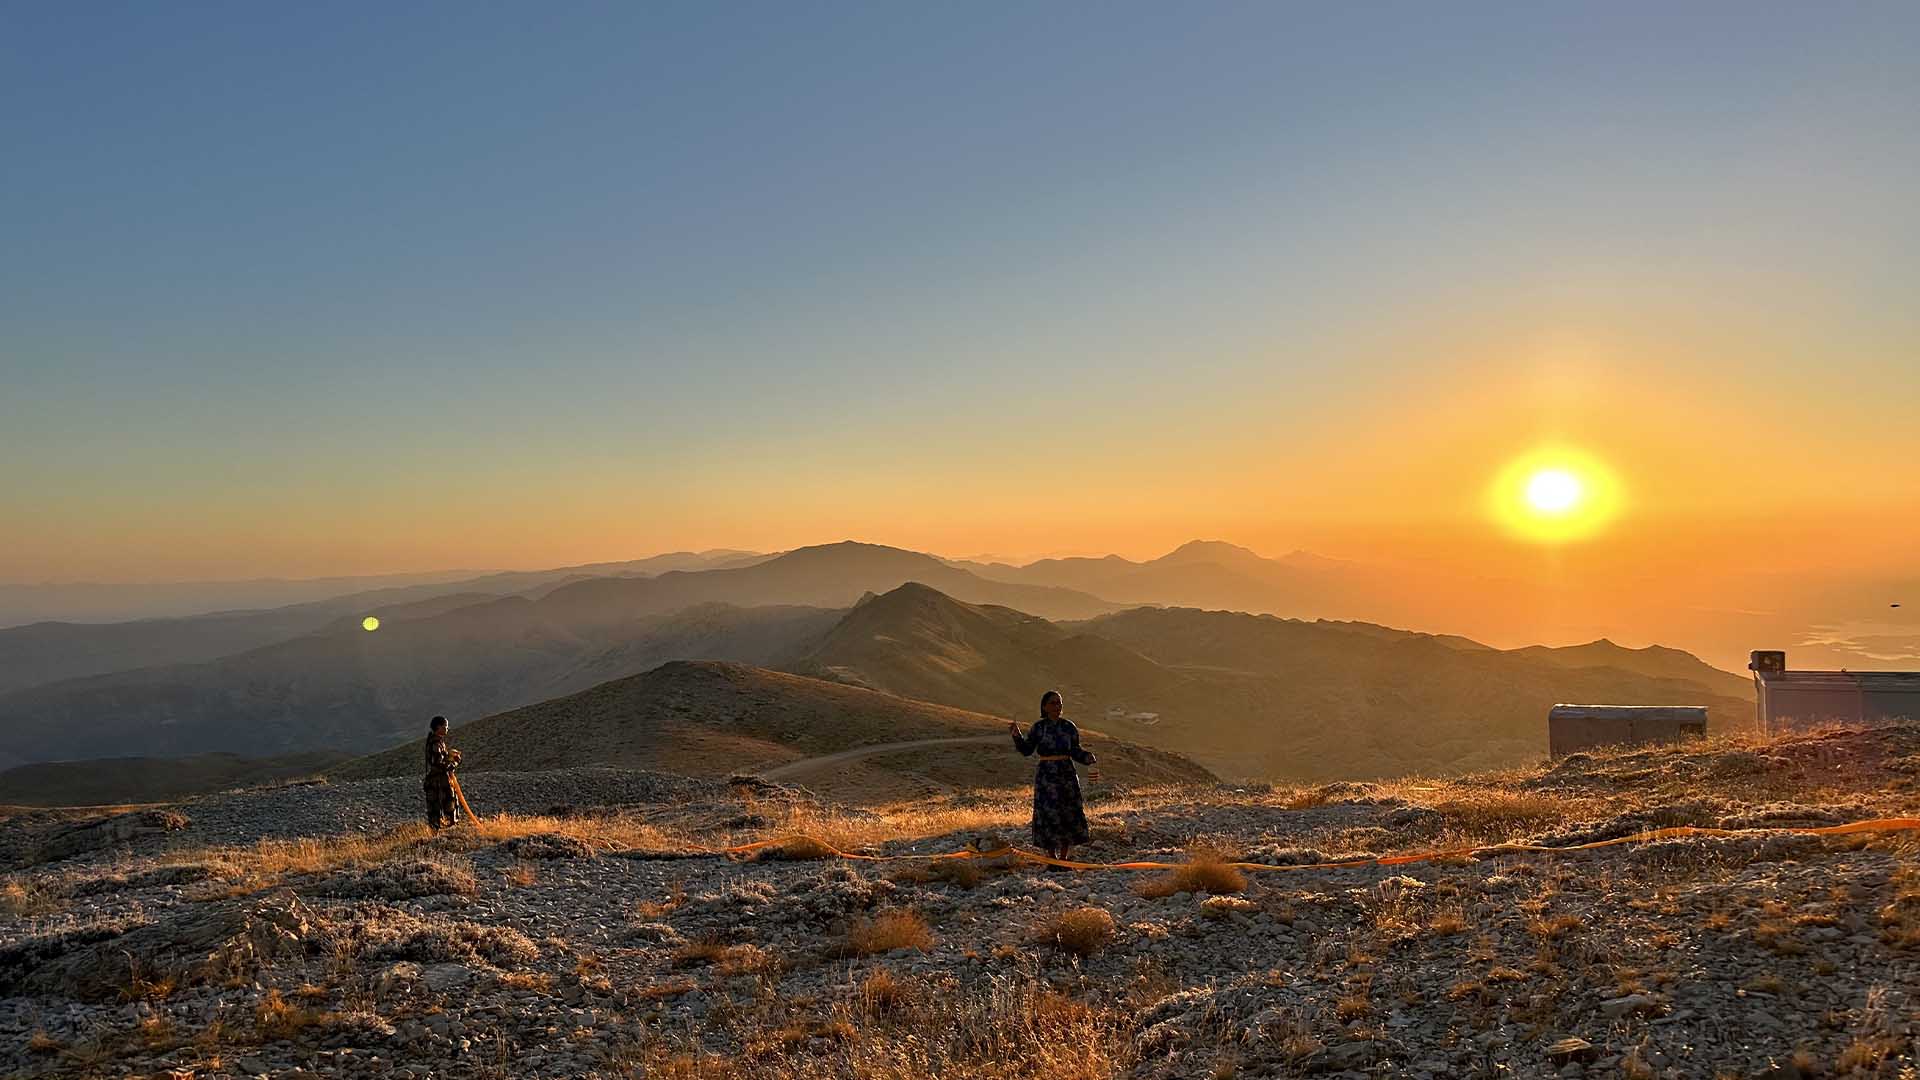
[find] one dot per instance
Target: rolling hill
(336, 687)
(49, 651)
(718, 719)
(345, 689)
(1251, 695)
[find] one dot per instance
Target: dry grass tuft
(141, 987)
(1448, 921)
(723, 958)
(537, 981)
(882, 993)
(1865, 1054)
(22, 899)
(1900, 919)
(1352, 1007)
(1207, 870)
(650, 910)
(1552, 928)
(798, 1036)
(42, 1043)
(156, 1033)
(797, 849)
(1081, 931)
(277, 1018)
(1495, 814)
(888, 931)
(522, 874)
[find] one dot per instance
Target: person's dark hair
(438, 723)
(1055, 695)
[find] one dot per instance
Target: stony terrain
(313, 930)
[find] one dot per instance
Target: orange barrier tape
(1903, 824)
(462, 796)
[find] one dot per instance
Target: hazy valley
(1245, 695)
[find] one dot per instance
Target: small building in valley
(1572, 728)
(1802, 700)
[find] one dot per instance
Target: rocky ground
(313, 930)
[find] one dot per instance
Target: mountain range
(1256, 695)
(1245, 694)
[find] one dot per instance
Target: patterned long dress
(1059, 819)
(437, 784)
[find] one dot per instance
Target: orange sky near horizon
(1707, 479)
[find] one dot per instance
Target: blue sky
(692, 275)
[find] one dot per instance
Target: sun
(1554, 491)
(1554, 495)
(370, 623)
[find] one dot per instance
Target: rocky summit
(590, 924)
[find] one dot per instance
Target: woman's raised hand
(1013, 726)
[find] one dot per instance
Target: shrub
(796, 849)
(884, 993)
(888, 931)
(1081, 931)
(1206, 871)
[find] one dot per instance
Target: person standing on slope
(1059, 818)
(438, 783)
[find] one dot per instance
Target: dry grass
(649, 910)
(522, 874)
(536, 981)
(1006, 1029)
(277, 1018)
(22, 899)
(888, 931)
(900, 821)
(142, 987)
(882, 993)
(1352, 1007)
(1865, 1054)
(155, 1033)
(269, 861)
(1900, 919)
(1493, 814)
(1207, 870)
(42, 1043)
(1081, 931)
(1448, 921)
(1552, 928)
(1777, 934)
(723, 958)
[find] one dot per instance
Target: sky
(302, 290)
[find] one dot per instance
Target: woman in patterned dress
(1059, 819)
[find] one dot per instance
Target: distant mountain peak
(1208, 551)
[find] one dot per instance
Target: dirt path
(813, 764)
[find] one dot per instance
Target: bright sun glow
(1553, 491)
(370, 623)
(1555, 495)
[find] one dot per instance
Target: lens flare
(1554, 495)
(370, 623)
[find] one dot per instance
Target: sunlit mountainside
(712, 719)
